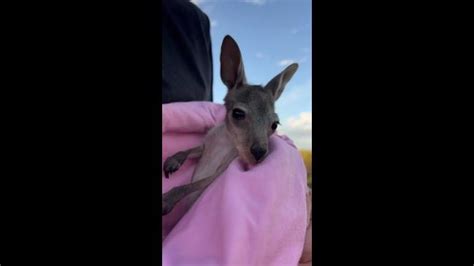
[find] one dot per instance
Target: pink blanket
(254, 217)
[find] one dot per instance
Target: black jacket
(186, 53)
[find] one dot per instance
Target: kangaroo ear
(278, 83)
(232, 66)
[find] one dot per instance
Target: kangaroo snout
(258, 152)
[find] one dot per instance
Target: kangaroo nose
(258, 152)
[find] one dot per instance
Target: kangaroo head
(251, 117)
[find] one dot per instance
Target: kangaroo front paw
(171, 165)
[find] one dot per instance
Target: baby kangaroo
(250, 121)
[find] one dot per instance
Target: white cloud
(286, 62)
(298, 128)
(303, 121)
(214, 23)
(296, 95)
(259, 55)
(197, 2)
(255, 2)
(294, 109)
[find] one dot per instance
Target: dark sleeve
(186, 53)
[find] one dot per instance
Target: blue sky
(271, 35)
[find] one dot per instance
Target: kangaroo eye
(238, 114)
(275, 125)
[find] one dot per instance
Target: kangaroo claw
(170, 166)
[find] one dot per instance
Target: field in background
(307, 158)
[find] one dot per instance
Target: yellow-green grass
(307, 158)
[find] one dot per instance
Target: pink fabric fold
(254, 217)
